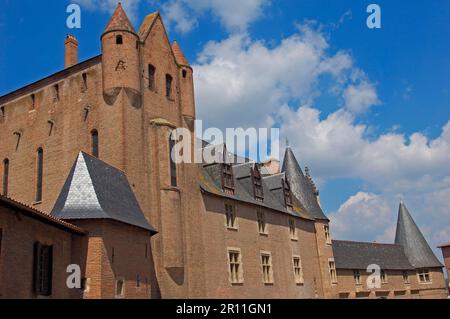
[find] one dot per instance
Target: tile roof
(96, 190)
(35, 214)
(301, 187)
(119, 21)
(359, 255)
(147, 24)
(411, 239)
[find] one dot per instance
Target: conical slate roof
(301, 187)
(96, 190)
(119, 21)
(179, 56)
(414, 244)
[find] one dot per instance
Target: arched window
(94, 143)
(39, 174)
(173, 164)
(5, 176)
(151, 77)
(119, 39)
(169, 81)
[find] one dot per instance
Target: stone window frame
(121, 294)
(267, 267)
(422, 275)
(231, 218)
(357, 277)
(262, 222)
(235, 277)
(332, 271)
(293, 234)
(326, 229)
(299, 277)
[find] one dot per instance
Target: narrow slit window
(43, 269)
(173, 164)
(33, 102)
(39, 174)
(151, 77)
(95, 142)
(84, 82)
(169, 81)
(56, 93)
(5, 177)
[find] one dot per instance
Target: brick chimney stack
(71, 46)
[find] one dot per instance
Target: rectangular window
(267, 269)
(424, 276)
(262, 226)
(326, 229)
(43, 269)
(151, 77)
(287, 194)
(94, 142)
(383, 276)
(230, 212)
(227, 178)
(173, 164)
(138, 281)
(332, 269)
(357, 277)
(39, 175)
(235, 266)
(405, 277)
(169, 81)
(292, 229)
(5, 177)
(257, 184)
(298, 270)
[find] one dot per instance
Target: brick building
(88, 151)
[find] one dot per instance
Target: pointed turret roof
(414, 244)
(96, 190)
(119, 21)
(179, 56)
(301, 187)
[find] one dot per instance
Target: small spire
(287, 143)
(179, 56)
(119, 21)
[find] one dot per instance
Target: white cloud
(234, 15)
(359, 98)
(243, 82)
(131, 6)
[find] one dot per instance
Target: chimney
(71, 46)
(272, 166)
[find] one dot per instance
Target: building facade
(90, 147)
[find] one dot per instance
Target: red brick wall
(16, 261)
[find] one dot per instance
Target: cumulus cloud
(130, 6)
(234, 15)
(245, 82)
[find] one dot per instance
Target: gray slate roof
(414, 244)
(301, 187)
(96, 190)
(359, 255)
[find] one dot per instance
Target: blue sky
(367, 110)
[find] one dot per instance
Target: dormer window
(119, 40)
(227, 178)
(287, 194)
(257, 184)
